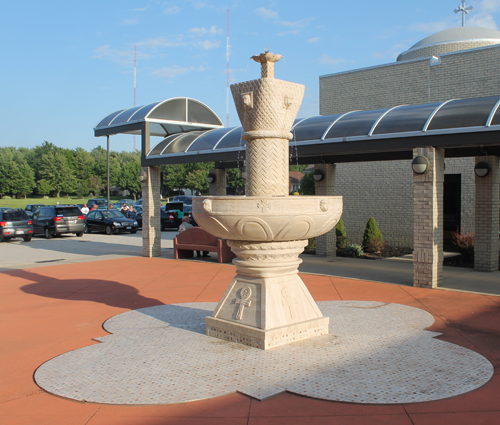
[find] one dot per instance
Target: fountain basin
(266, 219)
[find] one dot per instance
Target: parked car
(56, 220)
(188, 200)
(109, 222)
(15, 223)
(168, 219)
(100, 202)
(138, 203)
(31, 208)
(119, 204)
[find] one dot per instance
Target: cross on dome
(464, 10)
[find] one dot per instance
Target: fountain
(267, 304)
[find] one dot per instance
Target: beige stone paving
(375, 353)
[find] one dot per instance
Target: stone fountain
(267, 304)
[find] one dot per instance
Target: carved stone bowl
(266, 219)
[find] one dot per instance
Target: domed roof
(455, 39)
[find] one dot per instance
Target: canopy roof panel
(453, 124)
(175, 115)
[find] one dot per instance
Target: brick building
(457, 63)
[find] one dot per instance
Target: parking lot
(66, 249)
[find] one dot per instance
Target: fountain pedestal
(267, 304)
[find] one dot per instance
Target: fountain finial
(267, 60)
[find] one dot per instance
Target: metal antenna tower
(464, 10)
(135, 84)
(227, 71)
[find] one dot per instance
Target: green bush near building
(372, 239)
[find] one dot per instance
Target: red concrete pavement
(50, 310)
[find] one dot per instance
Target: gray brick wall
(473, 73)
(384, 190)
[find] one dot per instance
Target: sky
(68, 64)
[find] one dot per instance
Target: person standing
(85, 209)
(187, 225)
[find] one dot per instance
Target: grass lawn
(21, 203)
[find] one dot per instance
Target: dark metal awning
(464, 127)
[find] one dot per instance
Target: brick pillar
(487, 216)
(151, 225)
(428, 220)
(326, 245)
(218, 188)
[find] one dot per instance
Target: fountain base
(265, 339)
(267, 304)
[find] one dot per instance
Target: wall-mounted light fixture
(420, 165)
(318, 175)
(482, 169)
(142, 176)
(211, 178)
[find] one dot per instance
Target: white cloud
(489, 6)
(314, 40)
(328, 60)
(129, 22)
(297, 24)
(141, 9)
(177, 41)
(172, 10)
(432, 27)
(175, 71)
(485, 21)
(201, 32)
(124, 57)
(266, 13)
(291, 32)
(206, 44)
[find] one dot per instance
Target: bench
(197, 239)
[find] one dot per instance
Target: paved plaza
(50, 310)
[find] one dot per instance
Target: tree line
(54, 171)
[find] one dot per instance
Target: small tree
(372, 239)
(342, 240)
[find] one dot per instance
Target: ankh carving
(243, 302)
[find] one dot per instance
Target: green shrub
(342, 240)
(353, 250)
(311, 245)
(372, 239)
(6, 197)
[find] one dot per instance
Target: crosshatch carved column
(151, 239)
(428, 220)
(326, 245)
(487, 216)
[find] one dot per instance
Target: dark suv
(56, 220)
(31, 208)
(15, 223)
(100, 202)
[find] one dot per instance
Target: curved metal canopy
(175, 115)
(462, 126)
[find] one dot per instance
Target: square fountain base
(265, 339)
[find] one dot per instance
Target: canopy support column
(151, 222)
(428, 190)
(487, 216)
(218, 187)
(326, 245)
